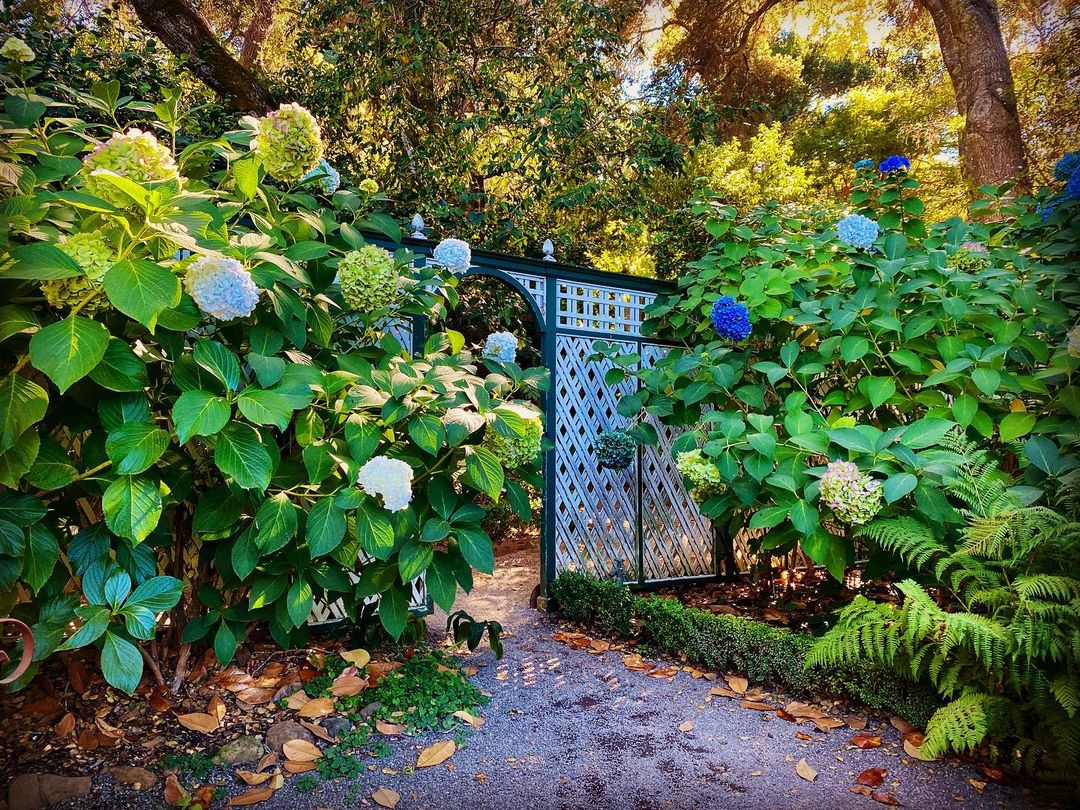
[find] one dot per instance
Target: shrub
(866, 346)
(766, 654)
(220, 430)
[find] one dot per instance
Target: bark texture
(991, 144)
(184, 32)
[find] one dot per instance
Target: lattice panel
(676, 538)
(323, 612)
(595, 510)
(537, 287)
(600, 309)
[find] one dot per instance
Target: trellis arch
(637, 524)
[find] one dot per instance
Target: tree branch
(184, 32)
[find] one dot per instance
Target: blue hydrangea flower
(857, 231)
(501, 346)
(1068, 164)
(1072, 186)
(894, 163)
(1047, 211)
(730, 319)
(327, 175)
(864, 165)
(221, 287)
(453, 254)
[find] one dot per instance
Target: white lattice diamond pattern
(595, 509)
(676, 538)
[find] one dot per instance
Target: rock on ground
(241, 751)
(32, 791)
(283, 732)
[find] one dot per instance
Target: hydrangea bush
(859, 362)
(196, 421)
(615, 449)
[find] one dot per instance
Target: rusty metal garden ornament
(27, 653)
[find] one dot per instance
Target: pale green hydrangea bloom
(368, 278)
(95, 257)
(369, 186)
(704, 477)
(289, 142)
(16, 50)
(134, 154)
(515, 452)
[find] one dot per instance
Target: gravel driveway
(567, 729)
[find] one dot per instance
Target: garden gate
(637, 524)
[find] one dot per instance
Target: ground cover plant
(206, 419)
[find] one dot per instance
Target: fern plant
(994, 626)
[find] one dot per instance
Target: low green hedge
(765, 654)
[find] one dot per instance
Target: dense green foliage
(999, 637)
(285, 449)
(766, 654)
(866, 354)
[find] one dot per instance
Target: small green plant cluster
(770, 655)
(994, 624)
(195, 765)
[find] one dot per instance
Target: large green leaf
(199, 413)
(120, 369)
(484, 471)
(135, 446)
(441, 583)
(276, 521)
(394, 611)
(22, 403)
(142, 290)
(476, 548)
(67, 350)
(1015, 425)
(325, 527)
(219, 361)
(374, 531)
(240, 454)
(41, 261)
(157, 594)
(264, 407)
(121, 663)
(41, 553)
(132, 507)
(299, 601)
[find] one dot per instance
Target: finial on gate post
(549, 251)
(418, 227)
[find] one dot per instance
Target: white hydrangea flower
(16, 50)
(453, 254)
(221, 287)
(501, 346)
(389, 477)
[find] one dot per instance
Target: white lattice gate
(638, 524)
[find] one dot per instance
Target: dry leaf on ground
(634, 662)
(317, 707)
(297, 700)
(436, 754)
(301, 751)
(295, 766)
(199, 721)
(253, 796)
(803, 769)
(687, 725)
(317, 730)
(881, 797)
(389, 729)
(266, 761)
(472, 720)
(901, 725)
(66, 725)
(802, 735)
(738, 683)
(756, 705)
(358, 658)
(913, 742)
(856, 721)
(871, 777)
(385, 797)
(216, 708)
(347, 686)
(252, 778)
(175, 794)
(723, 691)
(865, 741)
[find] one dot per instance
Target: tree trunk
(183, 31)
(991, 145)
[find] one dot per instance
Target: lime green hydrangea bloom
(369, 186)
(704, 477)
(16, 50)
(289, 142)
(515, 452)
(134, 154)
(368, 278)
(95, 257)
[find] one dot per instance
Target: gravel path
(566, 729)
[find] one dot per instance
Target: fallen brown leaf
(317, 730)
(436, 754)
(108, 730)
(66, 725)
(253, 778)
(738, 683)
(472, 720)
(358, 658)
(216, 708)
(686, 725)
(723, 691)
(871, 777)
(295, 766)
(87, 740)
(297, 700)
(901, 725)
(253, 796)
(783, 715)
(266, 761)
(174, 791)
(913, 742)
(347, 686)
(378, 670)
(317, 707)
(856, 721)
(802, 735)
(199, 721)
(598, 646)
(389, 729)
(385, 797)
(803, 769)
(756, 705)
(881, 797)
(301, 751)
(865, 741)
(634, 662)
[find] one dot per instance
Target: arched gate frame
(638, 524)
